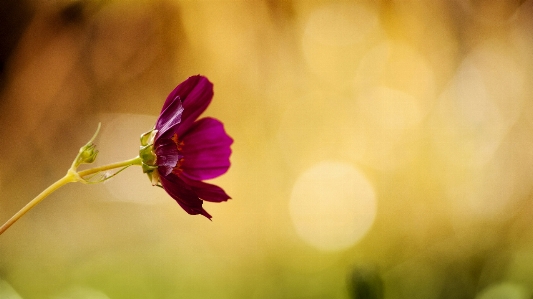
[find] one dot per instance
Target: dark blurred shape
(365, 282)
(14, 17)
(73, 12)
(460, 281)
(281, 10)
(494, 11)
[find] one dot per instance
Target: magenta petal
(181, 91)
(167, 156)
(206, 150)
(183, 195)
(169, 117)
(198, 93)
(207, 191)
(195, 93)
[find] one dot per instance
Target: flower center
(178, 142)
(179, 145)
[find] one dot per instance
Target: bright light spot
(505, 290)
(387, 123)
(397, 66)
(391, 111)
(503, 76)
(395, 88)
(472, 119)
(468, 125)
(119, 140)
(332, 206)
(479, 106)
(480, 193)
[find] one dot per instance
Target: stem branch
(71, 176)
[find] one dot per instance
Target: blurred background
(383, 149)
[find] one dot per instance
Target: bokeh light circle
(332, 206)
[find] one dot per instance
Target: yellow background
(382, 142)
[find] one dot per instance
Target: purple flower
(186, 151)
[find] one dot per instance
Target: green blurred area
(382, 149)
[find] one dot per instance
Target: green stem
(134, 161)
(71, 176)
(63, 181)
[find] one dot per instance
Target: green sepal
(148, 157)
(148, 168)
(148, 137)
(153, 175)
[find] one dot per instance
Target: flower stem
(71, 176)
(63, 181)
(134, 161)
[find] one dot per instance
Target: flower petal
(206, 150)
(169, 117)
(207, 191)
(167, 155)
(183, 194)
(195, 93)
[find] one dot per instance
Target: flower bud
(87, 154)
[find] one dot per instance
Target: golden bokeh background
(383, 149)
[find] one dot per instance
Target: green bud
(87, 153)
